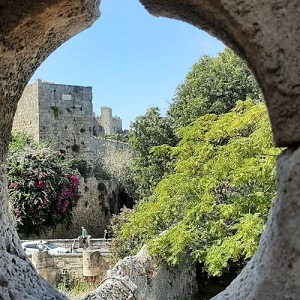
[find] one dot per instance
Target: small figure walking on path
(84, 237)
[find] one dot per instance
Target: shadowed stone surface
(29, 32)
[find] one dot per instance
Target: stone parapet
(81, 266)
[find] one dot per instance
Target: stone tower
(109, 124)
(58, 113)
(106, 119)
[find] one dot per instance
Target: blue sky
(132, 60)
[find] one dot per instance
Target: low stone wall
(94, 244)
(141, 277)
(81, 266)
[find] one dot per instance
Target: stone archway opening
(264, 33)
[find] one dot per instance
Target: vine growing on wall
(55, 111)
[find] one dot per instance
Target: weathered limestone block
(265, 33)
(45, 266)
(29, 32)
(140, 278)
(273, 272)
(91, 263)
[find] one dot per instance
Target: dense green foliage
(215, 202)
(42, 187)
(146, 132)
(213, 85)
(206, 190)
(118, 247)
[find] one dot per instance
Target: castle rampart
(64, 114)
(59, 113)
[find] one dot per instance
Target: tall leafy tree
(213, 85)
(146, 132)
(215, 202)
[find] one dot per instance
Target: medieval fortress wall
(27, 114)
(64, 114)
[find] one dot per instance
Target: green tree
(42, 188)
(215, 202)
(146, 132)
(213, 85)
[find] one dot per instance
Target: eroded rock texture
(29, 32)
(266, 34)
(140, 278)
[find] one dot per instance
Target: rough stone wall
(98, 130)
(52, 267)
(141, 278)
(105, 119)
(66, 115)
(117, 124)
(103, 146)
(98, 201)
(58, 113)
(27, 115)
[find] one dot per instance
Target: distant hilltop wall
(64, 114)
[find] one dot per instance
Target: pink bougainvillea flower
(14, 186)
(40, 184)
(74, 179)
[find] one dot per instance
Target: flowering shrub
(42, 189)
